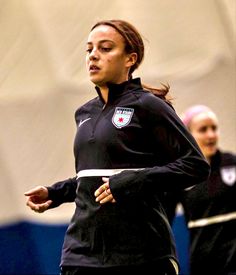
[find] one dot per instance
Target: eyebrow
(101, 41)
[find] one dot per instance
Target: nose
(211, 133)
(93, 55)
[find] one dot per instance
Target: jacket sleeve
(62, 191)
(179, 161)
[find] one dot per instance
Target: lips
(93, 68)
(210, 146)
(211, 143)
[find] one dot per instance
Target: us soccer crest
(228, 175)
(122, 116)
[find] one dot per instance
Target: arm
(179, 161)
(42, 198)
(62, 191)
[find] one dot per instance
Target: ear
(131, 59)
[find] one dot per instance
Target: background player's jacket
(135, 129)
(210, 209)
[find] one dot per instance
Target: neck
(104, 93)
(208, 158)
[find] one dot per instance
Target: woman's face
(204, 128)
(106, 59)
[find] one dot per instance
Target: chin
(96, 82)
(211, 152)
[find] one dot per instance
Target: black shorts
(146, 269)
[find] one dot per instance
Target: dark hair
(134, 43)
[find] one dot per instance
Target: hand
(38, 199)
(103, 193)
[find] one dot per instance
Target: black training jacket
(135, 129)
(210, 209)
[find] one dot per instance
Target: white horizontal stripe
(212, 220)
(175, 265)
(102, 172)
(179, 209)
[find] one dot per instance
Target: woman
(210, 207)
(130, 149)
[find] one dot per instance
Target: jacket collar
(116, 90)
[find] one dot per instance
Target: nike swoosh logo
(83, 121)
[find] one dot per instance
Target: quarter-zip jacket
(134, 130)
(210, 211)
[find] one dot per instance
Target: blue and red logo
(122, 116)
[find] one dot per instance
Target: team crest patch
(228, 175)
(122, 116)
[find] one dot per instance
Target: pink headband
(191, 112)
